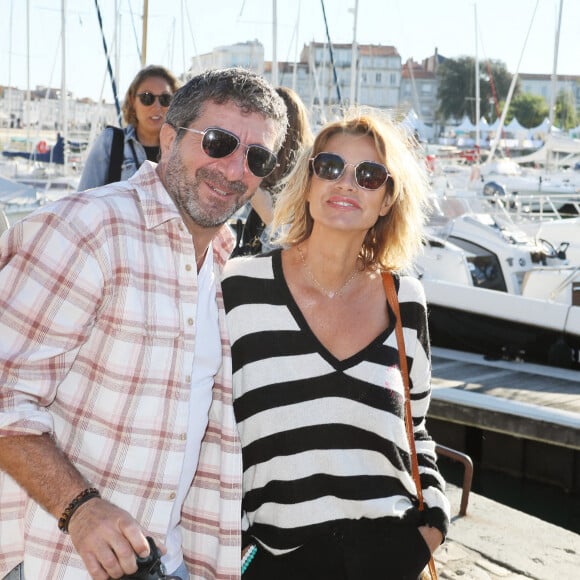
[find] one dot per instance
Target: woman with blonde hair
(328, 491)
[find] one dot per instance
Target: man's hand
(108, 539)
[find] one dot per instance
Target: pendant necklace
(327, 293)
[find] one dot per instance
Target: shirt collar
(158, 207)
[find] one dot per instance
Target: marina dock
(530, 415)
(495, 542)
(519, 418)
(532, 401)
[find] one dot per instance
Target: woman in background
(328, 492)
(253, 234)
(144, 109)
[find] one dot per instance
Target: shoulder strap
(116, 159)
(393, 301)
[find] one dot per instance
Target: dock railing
(467, 472)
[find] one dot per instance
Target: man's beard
(185, 191)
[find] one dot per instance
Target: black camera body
(150, 567)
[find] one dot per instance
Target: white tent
(483, 125)
(517, 130)
(466, 126)
(414, 123)
(543, 129)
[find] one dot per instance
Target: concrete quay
(493, 541)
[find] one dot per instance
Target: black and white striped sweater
(323, 439)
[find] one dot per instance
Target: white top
(207, 360)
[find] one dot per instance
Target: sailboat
(38, 164)
(37, 151)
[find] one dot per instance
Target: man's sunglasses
(148, 99)
(218, 143)
(367, 174)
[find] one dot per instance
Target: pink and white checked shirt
(97, 308)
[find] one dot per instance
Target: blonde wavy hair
(396, 238)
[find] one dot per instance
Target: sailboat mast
(354, 51)
(28, 120)
(508, 99)
(63, 93)
(274, 43)
(144, 39)
(477, 88)
(555, 68)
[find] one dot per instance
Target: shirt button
(190, 321)
(183, 436)
(188, 379)
(172, 495)
(188, 267)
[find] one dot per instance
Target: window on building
(378, 77)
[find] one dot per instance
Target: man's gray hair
(248, 90)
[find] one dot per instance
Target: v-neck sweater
(323, 439)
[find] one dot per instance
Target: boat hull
(501, 325)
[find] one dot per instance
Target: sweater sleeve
(414, 314)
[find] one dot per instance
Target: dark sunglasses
(218, 143)
(148, 99)
(367, 174)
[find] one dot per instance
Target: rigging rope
(109, 67)
(331, 55)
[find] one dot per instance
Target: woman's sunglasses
(148, 99)
(367, 174)
(218, 143)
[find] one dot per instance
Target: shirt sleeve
(50, 288)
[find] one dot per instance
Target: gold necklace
(327, 293)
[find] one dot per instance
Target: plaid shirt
(97, 305)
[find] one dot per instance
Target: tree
(456, 92)
(530, 110)
(565, 114)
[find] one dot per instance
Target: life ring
(42, 147)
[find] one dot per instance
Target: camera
(150, 567)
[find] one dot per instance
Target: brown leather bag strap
(393, 300)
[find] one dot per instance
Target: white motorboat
(495, 290)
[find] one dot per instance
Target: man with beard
(116, 418)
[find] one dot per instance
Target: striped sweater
(323, 439)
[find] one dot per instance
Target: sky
(520, 33)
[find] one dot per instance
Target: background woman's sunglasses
(148, 99)
(367, 174)
(218, 143)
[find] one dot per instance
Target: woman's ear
(387, 204)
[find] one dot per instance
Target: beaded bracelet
(249, 553)
(74, 505)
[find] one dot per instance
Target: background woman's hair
(152, 70)
(395, 239)
(298, 136)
